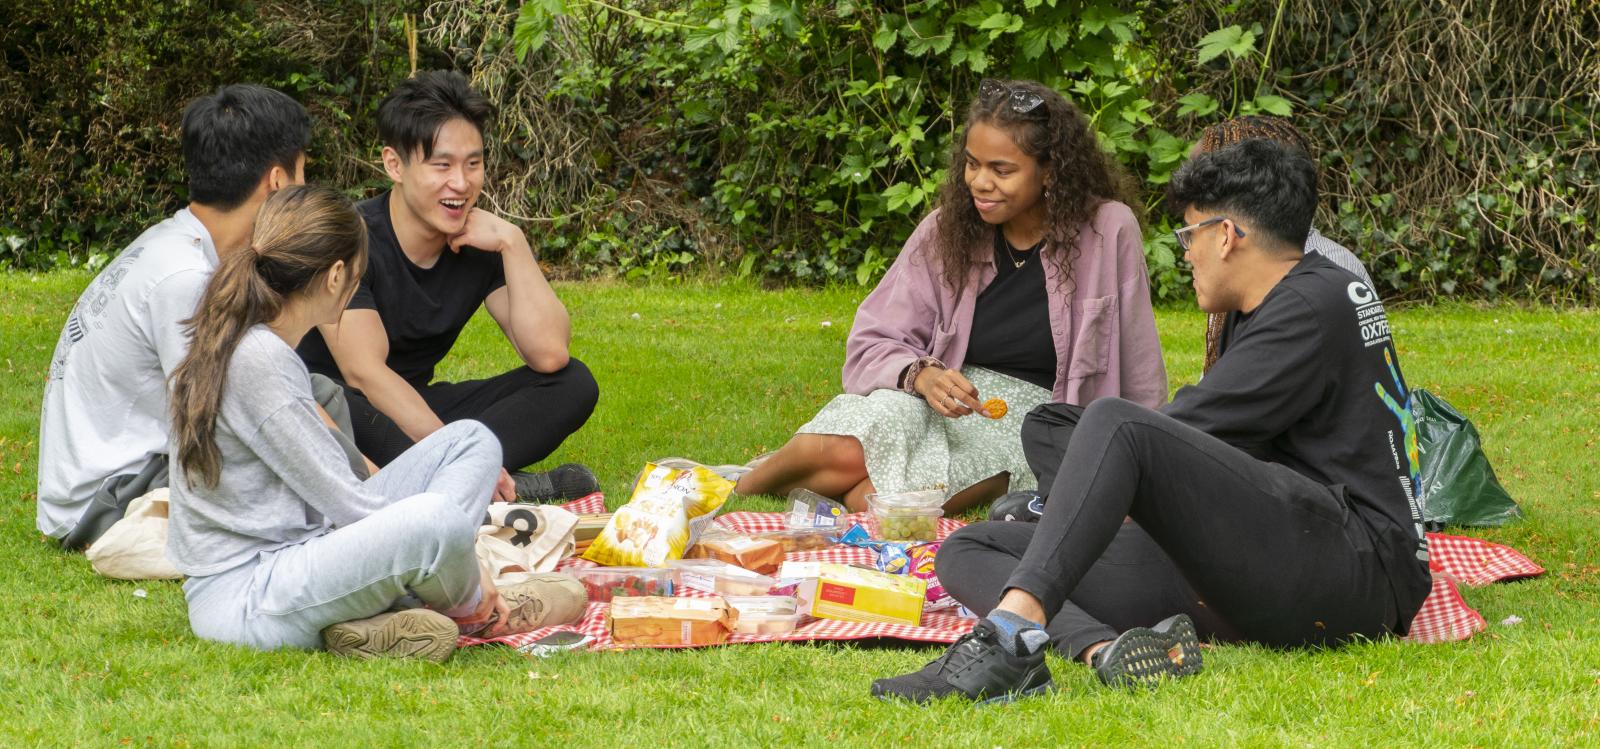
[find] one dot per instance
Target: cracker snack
(853, 594)
(994, 408)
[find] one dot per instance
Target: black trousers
(1260, 552)
(1133, 584)
(532, 413)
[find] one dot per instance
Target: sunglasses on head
(1021, 102)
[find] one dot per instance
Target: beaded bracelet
(908, 384)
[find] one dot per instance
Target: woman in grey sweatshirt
(283, 545)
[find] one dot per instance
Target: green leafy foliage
(93, 94)
(1457, 159)
(1233, 41)
(802, 141)
(834, 120)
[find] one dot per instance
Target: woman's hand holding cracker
(947, 392)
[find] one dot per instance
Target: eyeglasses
(1022, 102)
(1183, 234)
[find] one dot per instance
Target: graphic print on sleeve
(95, 298)
(1408, 431)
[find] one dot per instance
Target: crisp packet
(892, 557)
(921, 558)
(668, 509)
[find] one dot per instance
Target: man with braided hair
(1280, 131)
(1046, 428)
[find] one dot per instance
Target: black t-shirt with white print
(1310, 380)
(423, 309)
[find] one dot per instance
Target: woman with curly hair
(1027, 284)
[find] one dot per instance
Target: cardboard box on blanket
(853, 594)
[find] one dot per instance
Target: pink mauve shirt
(1104, 330)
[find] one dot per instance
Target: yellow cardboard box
(855, 594)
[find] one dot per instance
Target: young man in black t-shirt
(1280, 487)
(435, 258)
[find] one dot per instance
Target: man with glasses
(1278, 490)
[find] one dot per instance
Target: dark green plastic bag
(1458, 486)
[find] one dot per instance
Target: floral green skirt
(910, 447)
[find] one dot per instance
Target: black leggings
(1275, 557)
(530, 412)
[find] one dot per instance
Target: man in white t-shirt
(103, 431)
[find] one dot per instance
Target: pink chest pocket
(1094, 323)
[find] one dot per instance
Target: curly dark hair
(1247, 127)
(1079, 174)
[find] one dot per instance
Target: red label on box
(837, 594)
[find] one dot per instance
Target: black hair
(1271, 186)
(232, 138)
(411, 116)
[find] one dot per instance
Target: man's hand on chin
(488, 232)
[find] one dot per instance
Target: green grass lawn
(720, 373)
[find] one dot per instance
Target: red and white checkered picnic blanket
(1444, 616)
(937, 626)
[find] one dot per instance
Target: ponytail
(299, 234)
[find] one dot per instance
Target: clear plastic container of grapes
(907, 516)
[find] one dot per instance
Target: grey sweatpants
(421, 544)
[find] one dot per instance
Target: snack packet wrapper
(666, 512)
(920, 566)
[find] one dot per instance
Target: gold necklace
(1015, 263)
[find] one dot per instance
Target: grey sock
(1018, 636)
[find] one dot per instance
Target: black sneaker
(564, 482)
(1023, 507)
(975, 667)
(1143, 657)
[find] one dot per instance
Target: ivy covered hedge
(802, 140)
